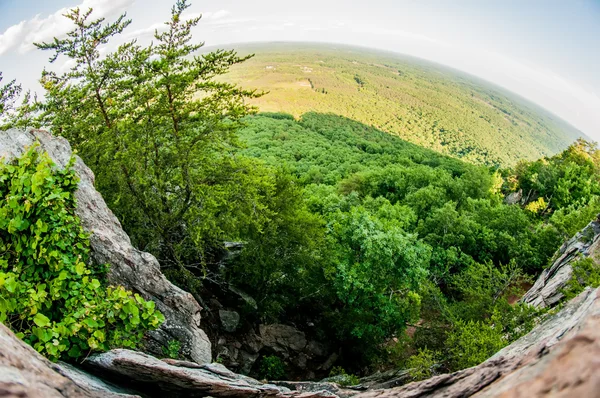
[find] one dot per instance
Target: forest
(400, 256)
(419, 101)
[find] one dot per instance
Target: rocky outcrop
(559, 358)
(302, 355)
(131, 268)
(25, 373)
(546, 292)
(171, 378)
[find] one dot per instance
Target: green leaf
(41, 320)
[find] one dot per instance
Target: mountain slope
(422, 102)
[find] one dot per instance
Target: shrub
(172, 349)
(49, 296)
(271, 368)
(472, 342)
(339, 376)
(420, 365)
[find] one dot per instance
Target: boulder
(25, 373)
(229, 320)
(558, 358)
(131, 268)
(546, 292)
(172, 378)
(514, 197)
(282, 338)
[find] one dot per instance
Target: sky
(548, 51)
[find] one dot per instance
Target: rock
(247, 360)
(514, 198)
(329, 362)
(230, 320)
(387, 379)
(558, 358)
(92, 383)
(131, 268)
(282, 338)
(310, 386)
(25, 373)
(546, 292)
(316, 349)
(173, 378)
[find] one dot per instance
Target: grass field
(422, 102)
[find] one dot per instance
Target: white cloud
(219, 14)
(146, 31)
(42, 29)
(213, 18)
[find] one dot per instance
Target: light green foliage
(377, 271)
(567, 179)
(339, 375)
(49, 296)
(172, 349)
(472, 342)
(426, 104)
(483, 287)
(571, 219)
(271, 368)
(421, 364)
(586, 272)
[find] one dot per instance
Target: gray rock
(91, 382)
(546, 292)
(312, 386)
(316, 349)
(282, 338)
(247, 360)
(131, 268)
(187, 379)
(514, 198)
(25, 373)
(387, 379)
(229, 319)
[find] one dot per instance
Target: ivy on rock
(50, 295)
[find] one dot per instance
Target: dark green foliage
(271, 368)
(49, 296)
(475, 250)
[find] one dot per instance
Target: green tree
(157, 129)
(376, 274)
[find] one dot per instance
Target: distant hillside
(422, 102)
